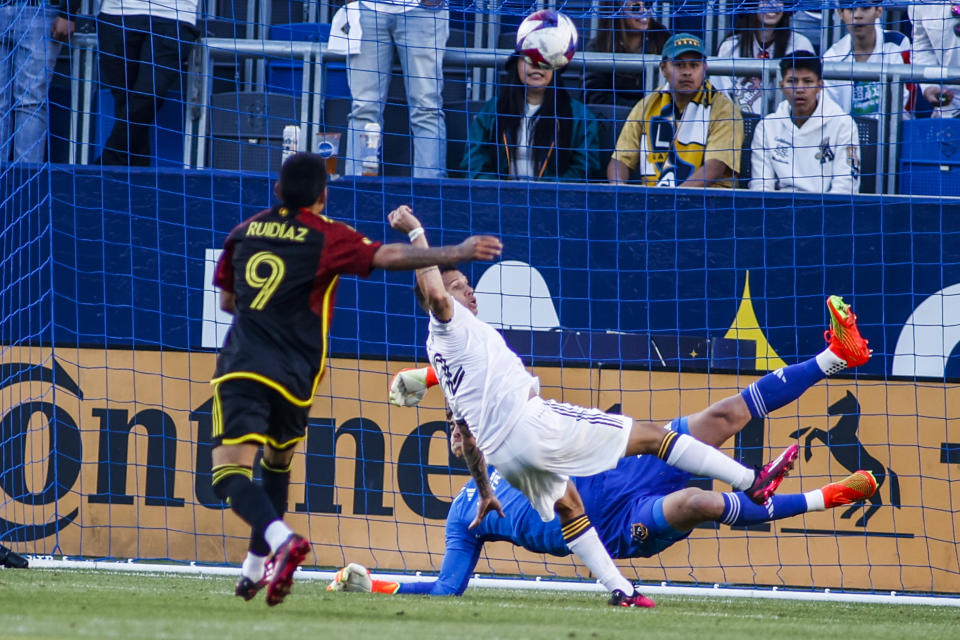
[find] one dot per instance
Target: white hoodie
(822, 156)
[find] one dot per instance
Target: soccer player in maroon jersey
(278, 276)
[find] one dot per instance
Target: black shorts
(248, 411)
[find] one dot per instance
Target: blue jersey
(624, 504)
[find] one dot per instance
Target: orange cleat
(856, 487)
(844, 336)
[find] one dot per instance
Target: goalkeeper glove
(410, 385)
(353, 577)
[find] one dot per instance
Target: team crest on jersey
(825, 154)
(639, 531)
(449, 379)
(781, 153)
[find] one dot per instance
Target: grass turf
(41, 604)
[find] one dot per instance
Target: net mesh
(134, 147)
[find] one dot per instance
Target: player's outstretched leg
(846, 349)
(738, 510)
(582, 539)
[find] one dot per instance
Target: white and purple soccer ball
(547, 39)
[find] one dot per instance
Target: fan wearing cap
(936, 43)
(686, 133)
(809, 143)
(866, 41)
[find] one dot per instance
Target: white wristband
(415, 233)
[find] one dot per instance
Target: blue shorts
(634, 524)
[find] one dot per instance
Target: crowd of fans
(688, 132)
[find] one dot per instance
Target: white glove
(354, 578)
(410, 385)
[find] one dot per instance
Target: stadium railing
(314, 55)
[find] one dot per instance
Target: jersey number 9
(267, 284)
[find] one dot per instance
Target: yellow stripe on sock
(268, 467)
(222, 471)
(575, 527)
(666, 444)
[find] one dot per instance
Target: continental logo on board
(106, 453)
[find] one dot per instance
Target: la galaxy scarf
(672, 151)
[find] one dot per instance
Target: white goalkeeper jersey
(822, 156)
(484, 381)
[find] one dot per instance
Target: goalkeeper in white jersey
(537, 444)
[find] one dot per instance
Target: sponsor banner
(106, 454)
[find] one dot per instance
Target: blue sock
(738, 509)
(781, 387)
(416, 587)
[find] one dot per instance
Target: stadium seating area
(251, 97)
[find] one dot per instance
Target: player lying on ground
(639, 509)
(643, 506)
(278, 276)
(536, 445)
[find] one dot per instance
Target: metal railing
(313, 56)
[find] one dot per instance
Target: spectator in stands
(809, 24)
(144, 48)
(936, 43)
(866, 41)
(418, 29)
(29, 45)
(763, 34)
(532, 129)
(684, 134)
(626, 27)
(810, 143)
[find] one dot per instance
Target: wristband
(415, 233)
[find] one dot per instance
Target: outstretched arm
(428, 279)
(418, 254)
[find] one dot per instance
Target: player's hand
(353, 577)
(409, 386)
(485, 506)
(479, 248)
(403, 220)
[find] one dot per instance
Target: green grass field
(43, 604)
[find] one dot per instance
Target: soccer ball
(547, 39)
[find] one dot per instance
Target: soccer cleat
(11, 559)
(772, 474)
(286, 560)
(353, 577)
(248, 589)
(619, 599)
(856, 487)
(844, 336)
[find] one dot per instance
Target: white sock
(253, 566)
(592, 553)
(814, 500)
(276, 534)
(830, 363)
(700, 459)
